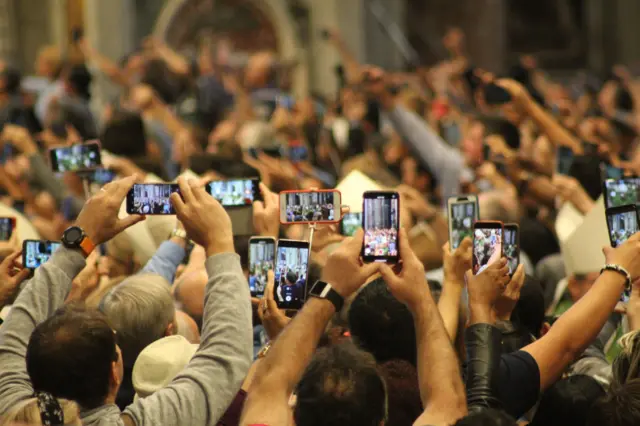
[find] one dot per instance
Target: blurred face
(472, 144)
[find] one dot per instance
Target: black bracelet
(622, 271)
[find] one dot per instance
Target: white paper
(353, 186)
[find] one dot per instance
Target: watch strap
(329, 294)
(180, 233)
(87, 246)
(620, 270)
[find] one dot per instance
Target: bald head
(189, 292)
(187, 328)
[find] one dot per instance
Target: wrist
(219, 248)
(480, 313)
(420, 304)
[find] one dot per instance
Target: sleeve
(201, 394)
(165, 261)
(518, 383)
(445, 162)
(44, 176)
(42, 295)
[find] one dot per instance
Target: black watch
(75, 238)
(323, 290)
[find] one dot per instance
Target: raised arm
(441, 388)
(287, 359)
(168, 257)
(201, 393)
(455, 265)
(49, 287)
(580, 325)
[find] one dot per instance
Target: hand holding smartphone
(564, 160)
(151, 199)
(381, 223)
(262, 253)
(488, 237)
(310, 206)
(512, 246)
(622, 223)
(350, 223)
(291, 271)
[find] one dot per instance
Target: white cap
(159, 363)
(582, 238)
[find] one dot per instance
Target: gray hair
(139, 310)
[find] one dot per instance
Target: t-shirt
(518, 383)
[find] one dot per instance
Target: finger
(388, 275)
(9, 260)
(354, 244)
(406, 253)
(197, 190)
(178, 205)
(465, 244)
(122, 186)
(255, 301)
(129, 221)
(258, 207)
(185, 190)
(271, 283)
(446, 247)
(344, 210)
(21, 276)
(370, 269)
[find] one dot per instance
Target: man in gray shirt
(72, 353)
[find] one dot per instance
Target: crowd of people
(148, 320)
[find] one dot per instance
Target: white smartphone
(463, 212)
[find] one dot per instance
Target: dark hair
(529, 310)
(567, 402)
(403, 392)
(341, 386)
(584, 170)
(12, 80)
(124, 135)
(291, 277)
(70, 354)
(623, 99)
(79, 78)
(487, 417)
(382, 325)
(619, 407)
(504, 128)
(163, 81)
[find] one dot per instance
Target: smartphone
(496, 95)
(298, 154)
(564, 160)
(274, 151)
(101, 176)
(512, 246)
(486, 152)
(292, 267)
(235, 192)
(622, 223)
(37, 252)
(253, 152)
(262, 252)
(608, 171)
(381, 223)
(487, 244)
(321, 206)
(590, 149)
(7, 225)
(350, 223)
(463, 212)
(621, 192)
(151, 198)
(75, 158)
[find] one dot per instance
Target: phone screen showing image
(6, 228)
(291, 274)
(305, 207)
(75, 158)
(235, 193)
(151, 199)
(381, 227)
(511, 248)
(462, 217)
(487, 247)
(622, 225)
(35, 253)
(350, 223)
(622, 192)
(261, 258)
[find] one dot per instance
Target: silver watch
(180, 233)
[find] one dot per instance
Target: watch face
(318, 288)
(73, 235)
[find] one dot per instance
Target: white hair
(27, 412)
(139, 310)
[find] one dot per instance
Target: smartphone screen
(76, 157)
(37, 252)
(350, 223)
(151, 198)
(7, 224)
(463, 211)
(235, 193)
(298, 154)
(101, 176)
(262, 252)
(291, 273)
(512, 246)
(496, 95)
(381, 223)
(611, 172)
(487, 244)
(621, 192)
(310, 206)
(622, 223)
(564, 160)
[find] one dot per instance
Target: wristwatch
(75, 238)
(180, 233)
(323, 290)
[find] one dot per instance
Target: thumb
(371, 268)
(607, 251)
(388, 275)
(128, 221)
(21, 276)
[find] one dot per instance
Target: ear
(171, 329)
(115, 375)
